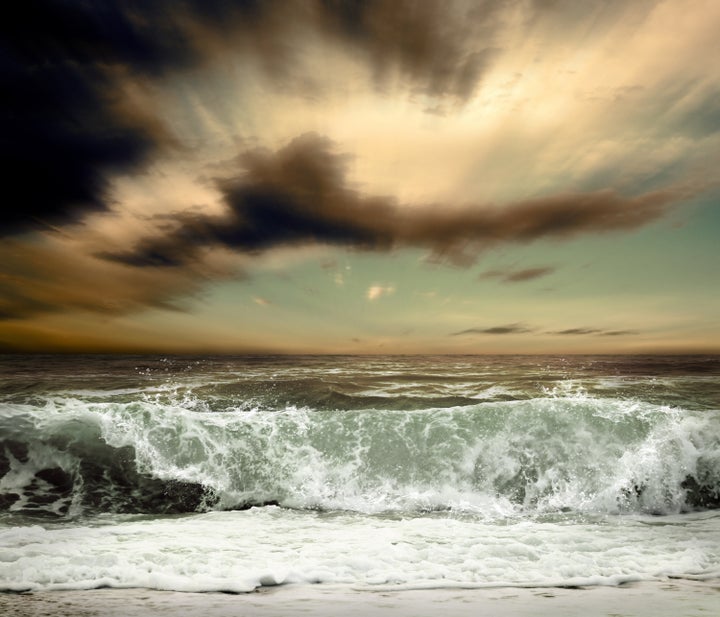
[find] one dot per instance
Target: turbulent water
(220, 473)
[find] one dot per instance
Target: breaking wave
(68, 457)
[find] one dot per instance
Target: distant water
(230, 473)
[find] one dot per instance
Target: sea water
(384, 472)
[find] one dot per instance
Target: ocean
(377, 473)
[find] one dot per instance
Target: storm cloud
(68, 123)
(68, 119)
(64, 124)
(440, 48)
(299, 195)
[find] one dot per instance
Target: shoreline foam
(669, 598)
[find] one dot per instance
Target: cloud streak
(509, 275)
(518, 328)
(594, 331)
(299, 196)
(514, 328)
(577, 331)
(52, 278)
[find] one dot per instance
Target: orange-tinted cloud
(51, 277)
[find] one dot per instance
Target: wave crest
(584, 454)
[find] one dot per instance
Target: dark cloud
(508, 275)
(67, 124)
(594, 331)
(441, 48)
(64, 121)
(457, 235)
(506, 329)
(518, 328)
(576, 331)
(299, 196)
(295, 196)
(618, 332)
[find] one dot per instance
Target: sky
(349, 176)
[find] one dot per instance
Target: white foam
(239, 551)
(541, 455)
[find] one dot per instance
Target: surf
(67, 457)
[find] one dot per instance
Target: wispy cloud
(593, 331)
(519, 328)
(576, 331)
(510, 275)
(50, 277)
(515, 328)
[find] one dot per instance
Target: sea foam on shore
(650, 599)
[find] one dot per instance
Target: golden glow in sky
(500, 176)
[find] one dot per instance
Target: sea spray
(540, 455)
